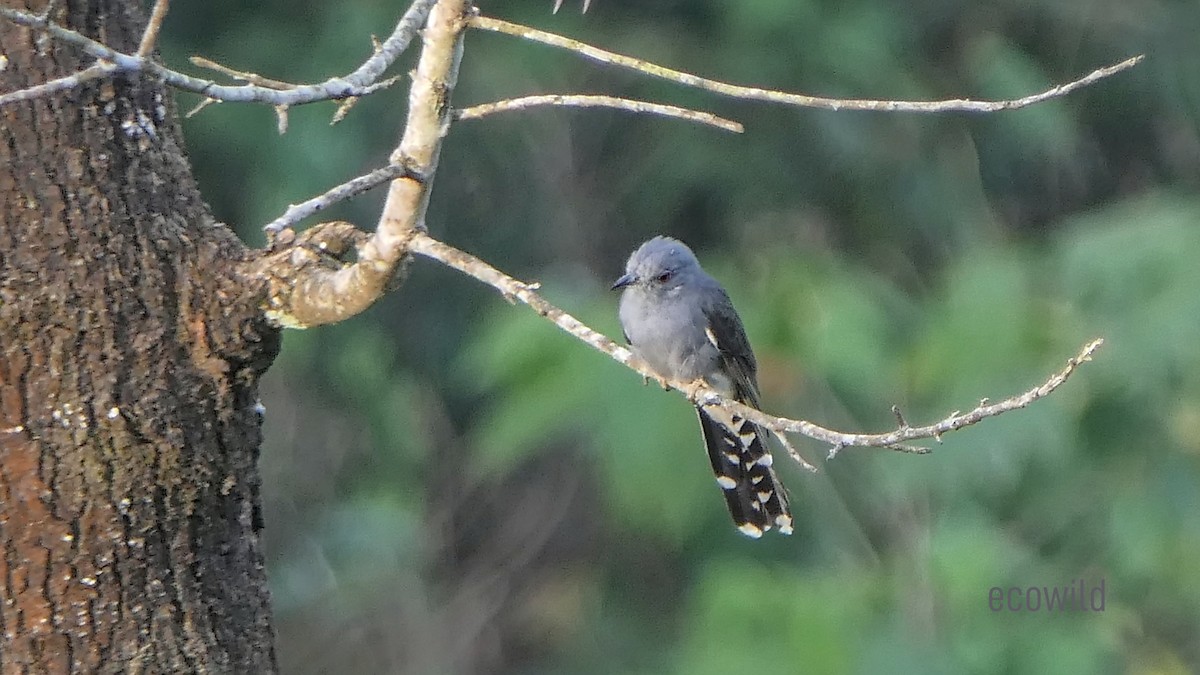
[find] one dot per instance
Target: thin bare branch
(363, 81)
(513, 289)
(904, 432)
(594, 101)
(385, 54)
(786, 98)
(792, 452)
(957, 420)
(93, 72)
(351, 188)
(306, 292)
(153, 26)
(244, 76)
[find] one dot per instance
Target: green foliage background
(454, 486)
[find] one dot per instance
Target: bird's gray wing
(725, 331)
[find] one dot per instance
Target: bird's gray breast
(669, 332)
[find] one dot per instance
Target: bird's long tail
(741, 461)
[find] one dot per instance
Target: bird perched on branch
(680, 321)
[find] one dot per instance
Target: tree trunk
(132, 344)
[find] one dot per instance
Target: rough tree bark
(132, 345)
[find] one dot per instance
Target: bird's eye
(665, 276)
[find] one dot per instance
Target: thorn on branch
(281, 111)
(558, 5)
(204, 103)
(343, 109)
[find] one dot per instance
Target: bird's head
(658, 266)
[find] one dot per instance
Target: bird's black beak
(624, 281)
